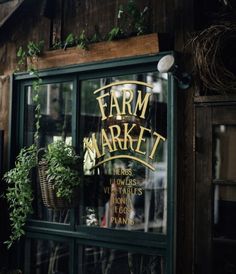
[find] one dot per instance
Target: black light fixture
(167, 65)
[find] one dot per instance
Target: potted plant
(59, 177)
(59, 181)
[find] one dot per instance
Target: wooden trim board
(134, 46)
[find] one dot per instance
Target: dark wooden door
(215, 211)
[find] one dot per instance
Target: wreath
(214, 58)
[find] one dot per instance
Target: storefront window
(126, 187)
(56, 123)
(119, 119)
(225, 152)
(49, 257)
(97, 260)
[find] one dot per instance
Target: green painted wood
(95, 66)
(171, 177)
(148, 250)
(112, 237)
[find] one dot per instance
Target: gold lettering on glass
(124, 136)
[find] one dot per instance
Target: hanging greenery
(60, 159)
(131, 21)
(19, 192)
(58, 174)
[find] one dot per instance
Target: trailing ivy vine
(19, 193)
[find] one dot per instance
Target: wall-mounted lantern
(167, 65)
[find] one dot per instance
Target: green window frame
(159, 244)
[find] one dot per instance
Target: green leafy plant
(62, 162)
(57, 45)
(138, 19)
(19, 193)
(130, 21)
(21, 55)
(97, 36)
(83, 41)
(70, 41)
(33, 50)
(115, 34)
(61, 159)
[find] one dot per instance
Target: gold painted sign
(120, 137)
(121, 189)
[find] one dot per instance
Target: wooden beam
(134, 46)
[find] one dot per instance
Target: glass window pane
(97, 260)
(56, 107)
(124, 129)
(223, 258)
(224, 156)
(49, 257)
(224, 228)
(225, 211)
(56, 110)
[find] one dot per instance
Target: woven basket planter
(48, 191)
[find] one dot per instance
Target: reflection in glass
(56, 107)
(224, 157)
(223, 258)
(225, 211)
(224, 173)
(98, 260)
(49, 257)
(125, 186)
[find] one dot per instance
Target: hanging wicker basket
(48, 191)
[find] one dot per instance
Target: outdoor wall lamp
(167, 65)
